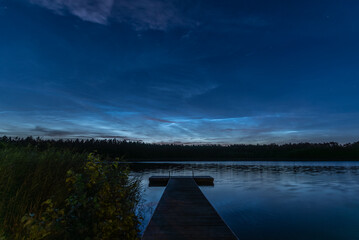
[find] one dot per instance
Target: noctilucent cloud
(180, 71)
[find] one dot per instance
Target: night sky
(181, 71)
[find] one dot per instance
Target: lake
(271, 200)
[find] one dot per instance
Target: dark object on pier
(185, 213)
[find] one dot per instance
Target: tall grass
(28, 178)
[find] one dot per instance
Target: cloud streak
(140, 14)
(159, 120)
(256, 129)
(97, 11)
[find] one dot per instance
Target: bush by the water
(59, 194)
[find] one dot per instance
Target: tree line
(135, 151)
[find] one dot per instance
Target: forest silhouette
(137, 151)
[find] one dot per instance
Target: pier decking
(185, 213)
(162, 181)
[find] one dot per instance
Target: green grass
(29, 177)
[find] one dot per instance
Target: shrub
(101, 204)
(27, 178)
(58, 194)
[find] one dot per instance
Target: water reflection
(272, 200)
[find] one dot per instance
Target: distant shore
(175, 160)
(139, 151)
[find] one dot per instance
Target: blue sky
(180, 71)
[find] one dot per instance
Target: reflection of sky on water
(273, 200)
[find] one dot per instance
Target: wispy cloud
(51, 132)
(58, 133)
(141, 14)
(151, 14)
(97, 11)
(256, 129)
(159, 120)
(183, 90)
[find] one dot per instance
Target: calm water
(272, 200)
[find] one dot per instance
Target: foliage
(66, 196)
(27, 178)
(101, 205)
(139, 151)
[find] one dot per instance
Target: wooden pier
(185, 213)
(162, 181)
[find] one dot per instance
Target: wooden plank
(185, 213)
